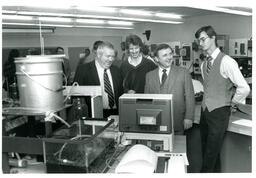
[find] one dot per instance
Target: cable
(69, 92)
(39, 82)
(113, 157)
(49, 115)
(65, 78)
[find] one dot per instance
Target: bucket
(40, 80)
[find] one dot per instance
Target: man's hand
(233, 107)
(187, 124)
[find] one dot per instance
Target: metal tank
(40, 82)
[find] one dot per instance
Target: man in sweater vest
(224, 86)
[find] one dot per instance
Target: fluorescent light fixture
(56, 25)
(120, 23)
(23, 30)
(17, 23)
(36, 24)
(168, 15)
(69, 26)
(44, 14)
(127, 18)
(97, 9)
(95, 17)
(54, 19)
(16, 17)
(107, 27)
(234, 11)
(93, 21)
(165, 21)
(135, 12)
(49, 5)
(223, 9)
(8, 12)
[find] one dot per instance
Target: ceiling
(185, 12)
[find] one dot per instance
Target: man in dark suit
(170, 79)
(102, 72)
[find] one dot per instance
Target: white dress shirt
(229, 69)
(160, 73)
(100, 71)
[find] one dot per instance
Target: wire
(39, 82)
(113, 158)
(69, 92)
(65, 78)
(50, 115)
(41, 38)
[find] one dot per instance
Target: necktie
(209, 64)
(108, 90)
(164, 76)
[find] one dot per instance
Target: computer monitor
(146, 113)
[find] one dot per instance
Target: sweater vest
(218, 91)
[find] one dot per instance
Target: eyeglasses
(202, 39)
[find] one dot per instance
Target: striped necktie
(164, 76)
(209, 64)
(108, 90)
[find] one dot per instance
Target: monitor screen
(146, 113)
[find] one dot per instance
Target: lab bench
(28, 121)
(60, 143)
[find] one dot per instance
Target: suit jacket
(178, 83)
(87, 74)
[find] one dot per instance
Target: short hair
(160, 47)
(13, 54)
(209, 30)
(133, 39)
(87, 50)
(96, 45)
(59, 48)
(145, 49)
(103, 45)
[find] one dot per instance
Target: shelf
(28, 111)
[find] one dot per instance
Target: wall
(65, 37)
(225, 24)
(233, 25)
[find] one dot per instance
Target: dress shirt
(100, 71)
(160, 73)
(229, 69)
(135, 62)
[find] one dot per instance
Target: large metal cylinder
(40, 80)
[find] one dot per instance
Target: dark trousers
(213, 126)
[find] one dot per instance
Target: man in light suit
(170, 79)
(93, 73)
